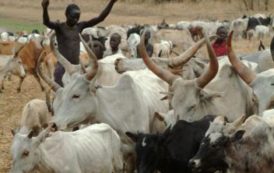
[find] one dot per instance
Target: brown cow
(29, 55)
(9, 47)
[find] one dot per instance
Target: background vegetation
(27, 14)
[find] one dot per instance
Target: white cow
(262, 32)
(4, 36)
(193, 99)
(183, 25)
(35, 116)
(162, 49)
(94, 149)
(132, 89)
(133, 41)
(262, 58)
(107, 75)
(10, 65)
(239, 25)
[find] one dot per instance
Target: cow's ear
(205, 96)
(132, 136)
(15, 131)
(158, 116)
(35, 130)
(237, 136)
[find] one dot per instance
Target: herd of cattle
(172, 112)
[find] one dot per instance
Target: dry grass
(11, 103)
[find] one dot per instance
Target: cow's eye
(76, 96)
(190, 108)
(214, 146)
(25, 153)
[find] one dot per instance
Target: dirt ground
(11, 102)
(11, 105)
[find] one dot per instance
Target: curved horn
(272, 48)
(212, 70)
(219, 119)
(239, 121)
(65, 63)
(244, 72)
(83, 69)
(187, 55)
(161, 73)
(53, 85)
(93, 63)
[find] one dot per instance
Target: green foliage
(13, 25)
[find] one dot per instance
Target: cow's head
(149, 149)
(133, 41)
(211, 154)
(15, 66)
(24, 151)
(189, 98)
(76, 102)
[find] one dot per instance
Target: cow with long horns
(99, 99)
(192, 99)
(262, 84)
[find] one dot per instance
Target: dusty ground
(11, 102)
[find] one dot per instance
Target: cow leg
(39, 81)
(2, 85)
(20, 84)
(48, 100)
(7, 76)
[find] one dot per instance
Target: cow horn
(239, 121)
(161, 73)
(220, 120)
(187, 55)
(272, 48)
(244, 72)
(212, 70)
(63, 61)
(53, 85)
(93, 63)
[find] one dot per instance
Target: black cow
(169, 152)
(136, 29)
(211, 156)
(253, 22)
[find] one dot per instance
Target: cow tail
(272, 48)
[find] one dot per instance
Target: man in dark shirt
(67, 32)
